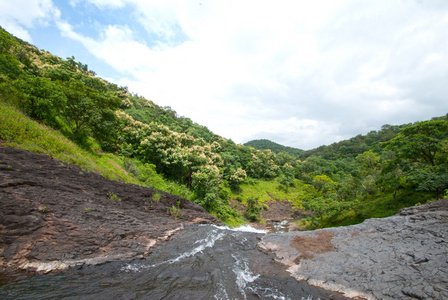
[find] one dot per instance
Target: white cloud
(102, 4)
(20, 15)
(304, 73)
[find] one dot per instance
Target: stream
(201, 262)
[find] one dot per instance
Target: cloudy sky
(300, 73)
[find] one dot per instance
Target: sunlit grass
(19, 131)
(269, 190)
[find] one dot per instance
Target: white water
(201, 262)
(207, 242)
(243, 228)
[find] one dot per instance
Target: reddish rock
(54, 215)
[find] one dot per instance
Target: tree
(253, 209)
(87, 109)
(237, 178)
(205, 184)
(177, 155)
(41, 99)
(286, 179)
(327, 206)
(323, 183)
(422, 147)
(370, 162)
(421, 142)
(262, 164)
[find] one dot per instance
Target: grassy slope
(370, 206)
(268, 190)
(19, 131)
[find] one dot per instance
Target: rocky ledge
(54, 215)
(401, 257)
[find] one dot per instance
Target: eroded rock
(55, 215)
(401, 257)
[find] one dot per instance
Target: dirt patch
(278, 210)
(52, 212)
(309, 246)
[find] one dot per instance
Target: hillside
(274, 147)
(91, 121)
(56, 215)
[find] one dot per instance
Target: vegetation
(264, 144)
(59, 108)
(175, 211)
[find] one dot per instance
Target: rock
(400, 257)
(54, 216)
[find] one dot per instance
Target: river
(201, 262)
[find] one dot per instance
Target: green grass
(19, 131)
(266, 190)
(380, 206)
(371, 206)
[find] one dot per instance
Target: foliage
(237, 178)
(264, 144)
(205, 183)
(253, 209)
(19, 131)
(359, 144)
(88, 111)
(286, 179)
(369, 162)
(175, 211)
(262, 165)
(368, 175)
(112, 196)
(422, 142)
(422, 148)
(156, 197)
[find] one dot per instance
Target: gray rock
(401, 257)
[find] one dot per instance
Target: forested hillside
(274, 147)
(367, 176)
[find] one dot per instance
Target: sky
(299, 73)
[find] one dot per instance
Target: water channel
(203, 262)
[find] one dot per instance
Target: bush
(252, 209)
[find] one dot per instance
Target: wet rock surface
(401, 257)
(54, 215)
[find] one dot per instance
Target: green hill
(59, 107)
(264, 144)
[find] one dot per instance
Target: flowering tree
(262, 164)
(176, 155)
(237, 178)
(205, 183)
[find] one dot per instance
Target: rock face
(54, 215)
(401, 257)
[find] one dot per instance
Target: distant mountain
(264, 144)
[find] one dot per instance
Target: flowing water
(202, 262)
(281, 226)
